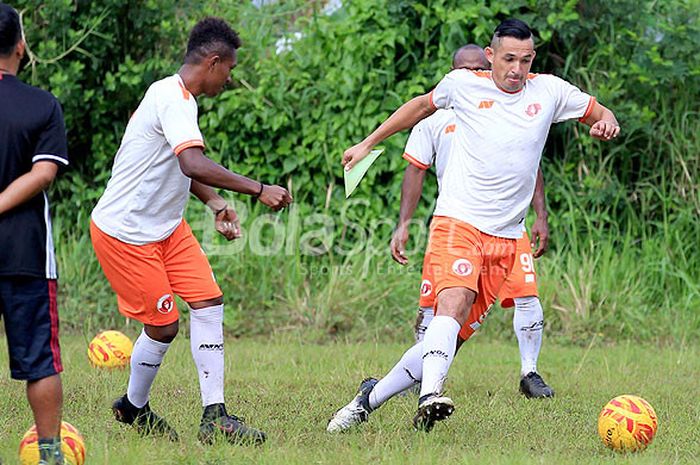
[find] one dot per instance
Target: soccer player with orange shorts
(147, 250)
(430, 143)
(503, 117)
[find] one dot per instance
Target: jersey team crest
(462, 267)
(426, 288)
(165, 304)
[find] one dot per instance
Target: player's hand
(227, 224)
(539, 237)
(275, 197)
(398, 245)
(605, 130)
(354, 154)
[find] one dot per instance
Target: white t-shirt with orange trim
(498, 142)
(430, 142)
(147, 193)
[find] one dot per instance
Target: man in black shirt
(32, 148)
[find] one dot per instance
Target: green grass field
(290, 388)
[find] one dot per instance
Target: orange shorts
(145, 277)
(459, 255)
(521, 282)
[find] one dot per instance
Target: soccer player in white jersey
(147, 250)
(503, 118)
(430, 143)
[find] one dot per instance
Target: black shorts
(28, 306)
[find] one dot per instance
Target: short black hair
(465, 48)
(211, 35)
(10, 29)
(511, 28)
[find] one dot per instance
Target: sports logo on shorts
(165, 304)
(462, 267)
(426, 288)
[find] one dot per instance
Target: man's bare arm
(604, 125)
(539, 233)
(411, 190)
(207, 195)
(225, 218)
(195, 165)
(405, 117)
(28, 185)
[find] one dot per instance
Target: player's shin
(207, 345)
(405, 374)
(439, 346)
(528, 321)
(145, 361)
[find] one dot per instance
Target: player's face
(473, 63)
(219, 74)
(511, 60)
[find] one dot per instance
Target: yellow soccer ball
(627, 423)
(72, 446)
(110, 349)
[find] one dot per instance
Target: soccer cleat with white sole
(356, 412)
(432, 408)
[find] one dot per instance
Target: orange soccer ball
(72, 446)
(627, 423)
(110, 349)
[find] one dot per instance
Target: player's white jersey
(490, 171)
(146, 195)
(430, 142)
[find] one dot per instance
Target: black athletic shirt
(31, 130)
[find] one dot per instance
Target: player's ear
(212, 61)
(489, 52)
(21, 51)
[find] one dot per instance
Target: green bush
(629, 204)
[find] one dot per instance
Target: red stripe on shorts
(53, 312)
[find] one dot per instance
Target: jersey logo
(533, 109)
(462, 267)
(485, 104)
(450, 128)
(426, 288)
(165, 304)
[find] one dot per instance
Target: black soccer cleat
(431, 409)
(217, 423)
(143, 419)
(533, 386)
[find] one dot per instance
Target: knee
(206, 303)
(456, 302)
(164, 334)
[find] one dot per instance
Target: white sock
(145, 362)
(427, 317)
(405, 374)
(528, 321)
(207, 345)
(439, 346)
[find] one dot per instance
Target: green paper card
(355, 175)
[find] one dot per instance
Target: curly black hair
(10, 29)
(211, 35)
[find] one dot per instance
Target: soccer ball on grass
(72, 446)
(627, 423)
(110, 349)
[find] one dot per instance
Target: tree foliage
(291, 114)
